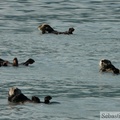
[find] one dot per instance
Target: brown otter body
(45, 28)
(15, 62)
(16, 96)
(107, 66)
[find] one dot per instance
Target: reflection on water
(66, 67)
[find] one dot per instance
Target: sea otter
(45, 28)
(15, 62)
(107, 66)
(16, 96)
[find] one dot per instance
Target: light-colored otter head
(45, 28)
(42, 26)
(107, 66)
(14, 91)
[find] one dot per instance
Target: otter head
(71, 30)
(47, 99)
(15, 62)
(104, 63)
(45, 28)
(14, 91)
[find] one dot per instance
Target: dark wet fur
(108, 66)
(48, 29)
(29, 61)
(3, 62)
(21, 98)
(15, 62)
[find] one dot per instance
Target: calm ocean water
(66, 67)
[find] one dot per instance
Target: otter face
(104, 63)
(14, 91)
(15, 62)
(45, 28)
(71, 30)
(42, 26)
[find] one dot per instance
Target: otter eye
(102, 60)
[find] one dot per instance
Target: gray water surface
(66, 66)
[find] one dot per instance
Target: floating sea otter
(15, 62)
(107, 66)
(45, 28)
(16, 96)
